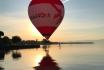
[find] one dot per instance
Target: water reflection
(16, 54)
(2, 56)
(47, 62)
(70, 57)
(1, 68)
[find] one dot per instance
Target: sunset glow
(83, 20)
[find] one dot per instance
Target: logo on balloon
(46, 15)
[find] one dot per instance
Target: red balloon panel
(46, 15)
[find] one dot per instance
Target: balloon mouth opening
(46, 37)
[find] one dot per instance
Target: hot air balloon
(46, 15)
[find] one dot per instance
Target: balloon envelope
(46, 15)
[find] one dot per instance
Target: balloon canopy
(46, 15)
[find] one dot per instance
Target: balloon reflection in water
(47, 63)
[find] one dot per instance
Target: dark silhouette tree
(16, 39)
(1, 34)
(6, 40)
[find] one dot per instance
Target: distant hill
(95, 41)
(77, 42)
(99, 41)
(85, 41)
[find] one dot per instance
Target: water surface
(68, 57)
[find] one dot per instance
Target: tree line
(17, 40)
(5, 40)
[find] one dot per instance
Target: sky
(83, 20)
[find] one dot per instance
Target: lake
(66, 57)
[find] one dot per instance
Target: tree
(1, 34)
(6, 40)
(16, 39)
